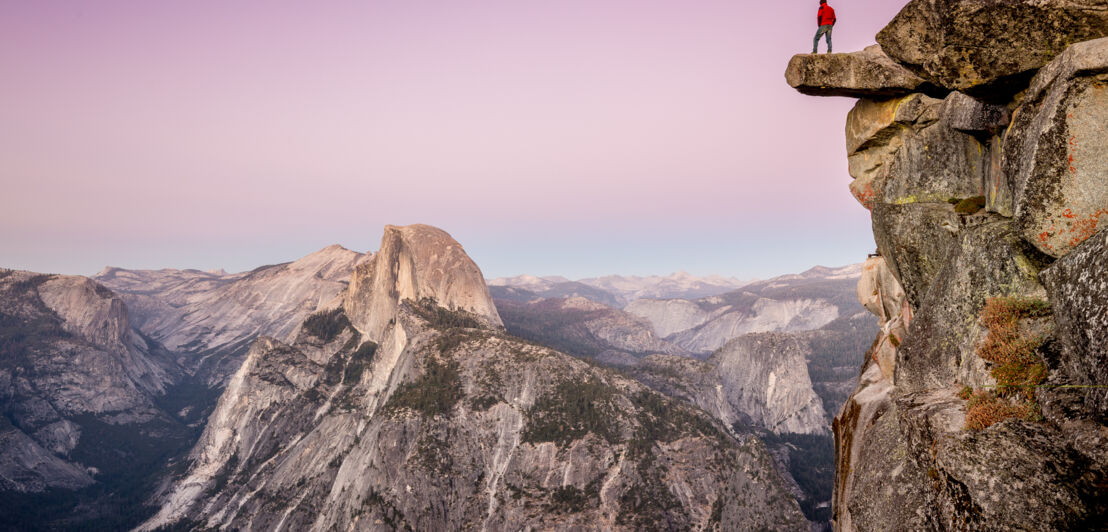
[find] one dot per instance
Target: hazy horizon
(580, 138)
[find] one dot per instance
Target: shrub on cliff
(1016, 365)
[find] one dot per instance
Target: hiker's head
(821, 2)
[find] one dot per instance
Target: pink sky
(573, 137)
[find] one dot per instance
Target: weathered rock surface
(416, 262)
(970, 115)
(1078, 287)
(210, 319)
(1056, 153)
(758, 380)
(444, 422)
(866, 74)
(881, 294)
(918, 149)
(984, 47)
(988, 260)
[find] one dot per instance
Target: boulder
(865, 74)
(1078, 288)
(937, 164)
(907, 150)
(970, 115)
(988, 48)
(1056, 152)
(875, 131)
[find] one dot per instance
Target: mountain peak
(416, 262)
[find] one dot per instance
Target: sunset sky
(571, 137)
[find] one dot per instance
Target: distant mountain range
(105, 382)
(618, 290)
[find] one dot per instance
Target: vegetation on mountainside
(572, 409)
(360, 359)
(435, 392)
(26, 323)
(547, 323)
(812, 464)
(441, 318)
(326, 324)
(1016, 365)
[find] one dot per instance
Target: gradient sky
(576, 137)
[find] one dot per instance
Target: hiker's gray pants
(823, 30)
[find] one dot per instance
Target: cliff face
(416, 262)
(72, 369)
(981, 404)
(758, 380)
(430, 417)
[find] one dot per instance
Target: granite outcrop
(980, 405)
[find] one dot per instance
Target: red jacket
(826, 15)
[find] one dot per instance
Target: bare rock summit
(416, 262)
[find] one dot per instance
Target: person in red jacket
(825, 18)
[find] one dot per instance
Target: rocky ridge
(979, 405)
(581, 327)
(789, 303)
(619, 290)
(431, 417)
(210, 318)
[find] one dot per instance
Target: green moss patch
(970, 205)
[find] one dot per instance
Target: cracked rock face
(756, 380)
(1056, 153)
(439, 420)
(1078, 287)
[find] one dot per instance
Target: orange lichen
(865, 196)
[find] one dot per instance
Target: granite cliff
(69, 360)
(408, 406)
(984, 164)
